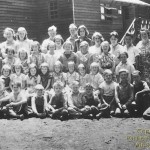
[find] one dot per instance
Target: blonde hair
(68, 42)
(58, 84)
(7, 30)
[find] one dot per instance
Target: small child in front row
(38, 102)
(75, 101)
(16, 102)
(57, 107)
(107, 94)
(91, 102)
(6, 71)
(124, 95)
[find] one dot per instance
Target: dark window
(53, 12)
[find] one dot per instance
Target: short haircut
(115, 34)
(58, 36)
(72, 26)
(58, 63)
(58, 84)
(53, 28)
(123, 53)
(74, 83)
(108, 71)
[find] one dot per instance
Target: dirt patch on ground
(81, 134)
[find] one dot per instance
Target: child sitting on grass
(57, 106)
(124, 95)
(38, 102)
(107, 94)
(91, 102)
(17, 101)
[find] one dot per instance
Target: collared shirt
(116, 51)
(132, 53)
(72, 39)
(128, 66)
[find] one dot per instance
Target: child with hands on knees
(57, 107)
(107, 95)
(16, 102)
(124, 95)
(38, 102)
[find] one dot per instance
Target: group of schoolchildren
(70, 80)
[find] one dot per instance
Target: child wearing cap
(46, 78)
(141, 93)
(57, 106)
(38, 102)
(75, 101)
(95, 78)
(67, 56)
(83, 56)
(124, 95)
(5, 75)
(72, 75)
(124, 64)
(16, 102)
(90, 101)
(107, 94)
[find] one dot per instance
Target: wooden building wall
(88, 13)
(65, 17)
(18, 13)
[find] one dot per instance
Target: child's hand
(124, 107)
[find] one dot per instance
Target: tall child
(67, 56)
